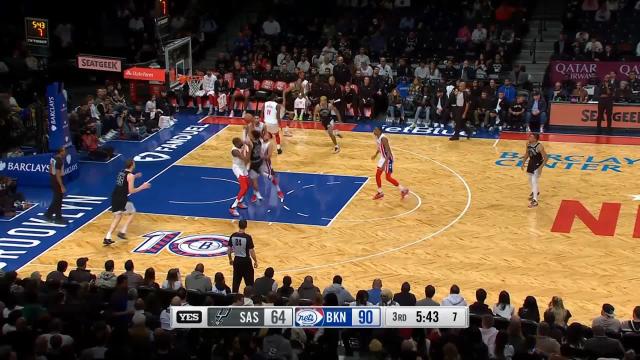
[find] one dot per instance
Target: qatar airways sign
(585, 70)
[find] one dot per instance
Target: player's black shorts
(255, 166)
(326, 122)
(121, 204)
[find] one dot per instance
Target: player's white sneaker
(199, 111)
(336, 149)
(234, 212)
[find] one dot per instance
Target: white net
(195, 86)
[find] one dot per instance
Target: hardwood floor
(466, 222)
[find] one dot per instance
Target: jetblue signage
(573, 162)
(59, 135)
(34, 170)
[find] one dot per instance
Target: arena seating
(102, 320)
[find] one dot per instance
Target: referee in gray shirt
(241, 244)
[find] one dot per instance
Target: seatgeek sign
(99, 63)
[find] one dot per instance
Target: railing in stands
(542, 26)
(532, 51)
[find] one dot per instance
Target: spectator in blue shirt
(536, 111)
(403, 87)
(375, 291)
(509, 90)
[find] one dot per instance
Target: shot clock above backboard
(37, 35)
(36, 31)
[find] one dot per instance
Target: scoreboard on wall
(319, 317)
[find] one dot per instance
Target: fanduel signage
(59, 134)
(34, 170)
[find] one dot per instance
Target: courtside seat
(500, 323)
(475, 320)
(305, 302)
(195, 297)
(253, 101)
(165, 296)
(144, 291)
(631, 341)
(280, 87)
(265, 89)
(350, 109)
(529, 328)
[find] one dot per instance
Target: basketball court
(465, 221)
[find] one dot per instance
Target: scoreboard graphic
(319, 317)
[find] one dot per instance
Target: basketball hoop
(195, 83)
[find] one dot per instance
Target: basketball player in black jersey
(120, 204)
(322, 113)
(537, 157)
(255, 156)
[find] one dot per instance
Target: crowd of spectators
(80, 314)
(108, 116)
(599, 30)
(357, 55)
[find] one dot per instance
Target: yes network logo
(3, 165)
(207, 245)
(188, 317)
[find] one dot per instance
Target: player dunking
(322, 113)
(120, 204)
(255, 144)
(537, 157)
(272, 119)
(385, 164)
(240, 159)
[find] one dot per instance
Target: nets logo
(188, 317)
(309, 317)
(207, 245)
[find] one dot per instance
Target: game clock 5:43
(427, 317)
(36, 31)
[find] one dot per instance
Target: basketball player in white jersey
(272, 119)
(251, 123)
(385, 164)
(266, 169)
(239, 165)
(208, 91)
(537, 157)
